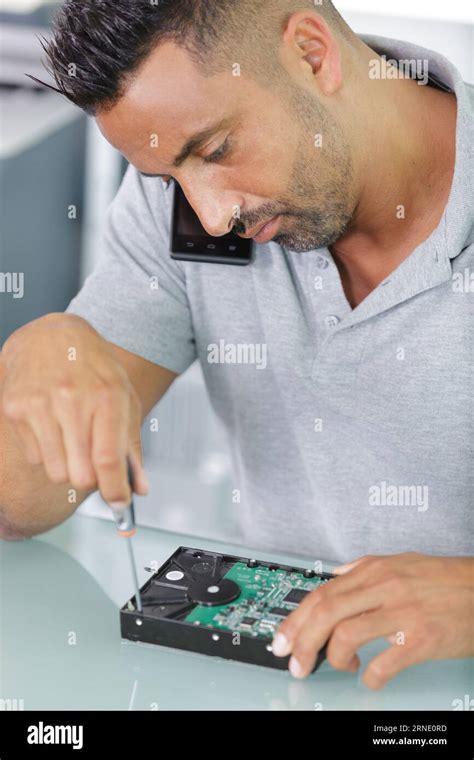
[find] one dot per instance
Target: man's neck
(406, 175)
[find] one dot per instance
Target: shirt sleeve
(136, 295)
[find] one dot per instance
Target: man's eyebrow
(194, 142)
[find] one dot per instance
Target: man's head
(269, 73)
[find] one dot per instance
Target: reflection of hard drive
(219, 605)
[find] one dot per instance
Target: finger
(307, 642)
(109, 448)
(17, 412)
(282, 642)
(76, 425)
(288, 631)
(354, 664)
(352, 633)
(140, 481)
(28, 442)
(382, 668)
(395, 569)
(346, 568)
(50, 441)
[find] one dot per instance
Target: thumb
(135, 456)
(341, 569)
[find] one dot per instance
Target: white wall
(452, 39)
(456, 10)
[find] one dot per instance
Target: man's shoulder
(142, 200)
(469, 89)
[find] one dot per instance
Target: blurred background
(52, 157)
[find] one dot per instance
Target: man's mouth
(265, 232)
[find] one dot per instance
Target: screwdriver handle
(125, 521)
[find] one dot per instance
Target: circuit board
(266, 598)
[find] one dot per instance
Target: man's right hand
(73, 406)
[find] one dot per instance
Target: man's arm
(30, 501)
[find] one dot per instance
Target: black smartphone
(191, 242)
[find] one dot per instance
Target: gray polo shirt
(352, 431)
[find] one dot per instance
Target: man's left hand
(423, 605)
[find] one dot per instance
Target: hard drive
(219, 605)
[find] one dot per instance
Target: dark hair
(97, 45)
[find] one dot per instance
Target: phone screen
(188, 221)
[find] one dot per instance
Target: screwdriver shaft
(125, 522)
(134, 574)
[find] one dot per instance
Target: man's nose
(216, 211)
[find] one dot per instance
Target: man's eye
(218, 154)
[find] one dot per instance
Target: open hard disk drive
(219, 605)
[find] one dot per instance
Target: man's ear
(314, 50)
(310, 49)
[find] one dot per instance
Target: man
(355, 438)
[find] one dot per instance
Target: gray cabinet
(42, 143)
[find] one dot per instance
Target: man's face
(263, 160)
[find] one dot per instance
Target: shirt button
(331, 320)
(321, 262)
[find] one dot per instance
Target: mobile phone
(191, 242)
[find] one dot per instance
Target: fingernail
(118, 506)
(280, 645)
(295, 668)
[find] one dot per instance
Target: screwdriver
(125, 521)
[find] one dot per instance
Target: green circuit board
(267, 597)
